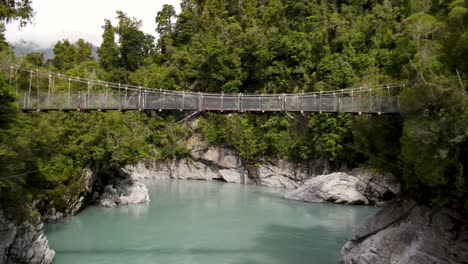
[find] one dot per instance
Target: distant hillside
(23, 48)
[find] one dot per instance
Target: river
(191, 222)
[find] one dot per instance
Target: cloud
(67, 19)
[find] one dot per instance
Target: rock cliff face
(358, 187)
(26, 242)
(409, 234)
(223, 164)
(74, 199)
(23, 243)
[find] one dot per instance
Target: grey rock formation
(359, 187)
(282, 174)
(231, 176)
(217, 163)
(74, 198)
(193, 170)
(122, 192)
(409, 234)
(23, 243)
(376, 187)
(148, 169)
(337, 187)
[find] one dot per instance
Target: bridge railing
(143, 100)
(42, 90)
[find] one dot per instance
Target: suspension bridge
(39, 90)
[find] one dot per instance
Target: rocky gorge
(310, 182)
(401, 229)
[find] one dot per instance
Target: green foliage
(108, 51)
(7, 104)
(434, 132)
(13, 10)
(36, 59)
(377, 141)
(131, 42)
(167, 139)
(67, 55)
(258, 46)
(333, 133)
(273, 136)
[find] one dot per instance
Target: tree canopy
(260, 46)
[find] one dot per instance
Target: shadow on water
(281, 244)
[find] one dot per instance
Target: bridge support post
(69, 95)
(37, 87)
(283, 103)
(87, 96)
(315, 102)
(120, 98)
(48, 92)
(145, 93)
(183, 101)
(200, 102)
(79, 101)
(107, 96)
(320, 106)
(139, 100)
(300, 99)
(335, 108)
(261, 104)
(222, 102)
(126, 94)
(30, 87)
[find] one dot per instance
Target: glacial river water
(190, 222)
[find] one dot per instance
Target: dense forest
(256, 46)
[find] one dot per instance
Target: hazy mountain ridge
(23, 48)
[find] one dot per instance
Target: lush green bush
(434, 139)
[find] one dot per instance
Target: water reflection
(135, 210)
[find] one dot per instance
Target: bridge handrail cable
(119, 86)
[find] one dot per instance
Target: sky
(70, 19)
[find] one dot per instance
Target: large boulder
(337, 187)
(232, 176)
(409, 234)
(23, 243)
(358, 187)
(122, 192)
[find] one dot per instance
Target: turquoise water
(194, 222)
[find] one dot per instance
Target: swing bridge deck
(95, 95)
(141, 100)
